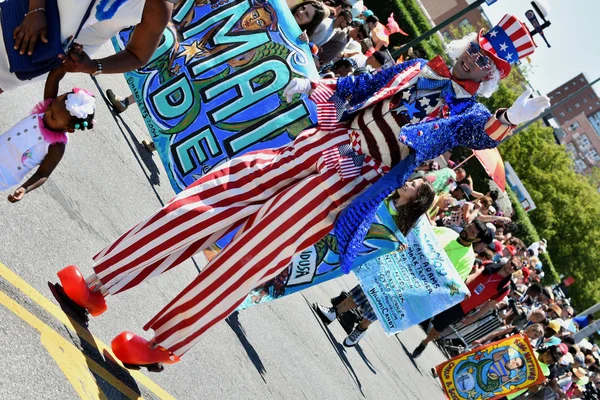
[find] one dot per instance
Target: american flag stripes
(344, 160)
(286, 199)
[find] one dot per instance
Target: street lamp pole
(436, 28)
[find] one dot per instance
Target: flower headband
(80, 103)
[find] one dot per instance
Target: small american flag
(345, 160)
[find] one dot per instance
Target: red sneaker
(134, 351)
(75, 287)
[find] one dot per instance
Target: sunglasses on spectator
(482, 62)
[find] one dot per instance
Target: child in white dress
(39, 140)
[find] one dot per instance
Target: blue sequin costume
(464, 126)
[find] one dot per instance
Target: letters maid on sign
(213, 88)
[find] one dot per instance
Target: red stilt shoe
(74, 286)
(134, 352)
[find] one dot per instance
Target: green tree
(568, 207)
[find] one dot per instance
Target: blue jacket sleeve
(359, 88)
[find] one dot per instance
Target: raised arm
(350, 92)
(53, 82)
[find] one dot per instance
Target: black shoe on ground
(419, 350)
(338, 299)
(116, 102)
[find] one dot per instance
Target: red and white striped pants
(286, 199)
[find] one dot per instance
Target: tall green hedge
(411, 20)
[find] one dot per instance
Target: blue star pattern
(411, 109)
(417, 109)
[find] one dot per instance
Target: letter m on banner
(213, 88)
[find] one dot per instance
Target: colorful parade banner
(321, 262)
(213, 88)
(492, 371)
(406, 288)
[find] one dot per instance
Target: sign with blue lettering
(321, 261)
(213, 88)
(406, 288)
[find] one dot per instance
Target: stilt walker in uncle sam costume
(373, 132)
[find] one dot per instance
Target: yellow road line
(55, 310)
(75, 365)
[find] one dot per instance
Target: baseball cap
(485, 234)
(563, 347)
(496, 246)
(353, 47)
(555, 326)
(511, 249)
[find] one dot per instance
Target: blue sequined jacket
(465, 126)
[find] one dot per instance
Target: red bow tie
(438, 65)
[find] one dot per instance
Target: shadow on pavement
(238, 329)
(139, 151)
(93, 355)
(362, 355)
(409, 355)
(340, 350)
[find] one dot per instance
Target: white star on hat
(424, 101)
(503, 46)
(509, 56)
(493, 33)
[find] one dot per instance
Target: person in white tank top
(39, 140)
(108, 17)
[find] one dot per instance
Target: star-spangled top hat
(507, 43)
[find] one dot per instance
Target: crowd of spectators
(521, 302)
(344, 36)
(345, 39)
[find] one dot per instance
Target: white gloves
(297, 86)
(525, 109)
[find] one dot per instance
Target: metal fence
(458, 337)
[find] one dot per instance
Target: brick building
(440, 10)
(578, 120)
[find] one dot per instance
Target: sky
(573, 35)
